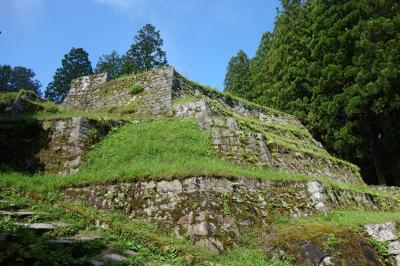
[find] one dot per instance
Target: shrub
(135, 89)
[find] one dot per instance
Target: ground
(166, 148)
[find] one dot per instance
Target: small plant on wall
(135, 89)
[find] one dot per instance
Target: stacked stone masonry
(68, 140)
(213, 210)
(386, 232)
(240, 131)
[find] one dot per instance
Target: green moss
(135, 88)
(185, 99)
(344, 244)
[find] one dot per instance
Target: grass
(162, 149)
(170, 148)
(159, 149)
(354, 219)
(152, 242)
(280, 137)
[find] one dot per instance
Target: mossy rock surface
(307, 242)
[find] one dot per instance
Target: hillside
(156, 169)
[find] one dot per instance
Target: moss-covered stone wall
(241, 131)
(212, 211)
(56, 146)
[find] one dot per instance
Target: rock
(130, 253)
(97, 263)
(114, 257)
(328, 261)
(382, 232)
(386, 232)
(371, 256)
(207, 243)
(316, 189)
(397, 260)
(311, 253)
(394, 248)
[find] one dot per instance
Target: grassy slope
(165, 149)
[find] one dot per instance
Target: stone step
(74, 240)
(112, 255)
(17, 214)
(42, 228)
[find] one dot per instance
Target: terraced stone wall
(242, 132)
(212, 211)
(246, 133)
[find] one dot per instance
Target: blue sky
(200, 36)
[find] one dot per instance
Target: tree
(335, 65)
(14, 79)
(237, 75)
(110, 63)
(356, 106)
(6, 78)
(74, 64)
(146, 52)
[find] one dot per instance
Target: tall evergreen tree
(110, 63)
(335, 65)
(280, 78)
(74, 64)
(16, 78)
(356, 98)
(146, 52)
(237, 75)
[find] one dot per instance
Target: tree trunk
(377, 157)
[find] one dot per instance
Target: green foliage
(6, 98)
(252, 257)
(237, 75)
(75, 64)
(136, 88)
(146, 52)
(111, 64)
(332, 240)
(16, 78)
(334, 65)
(382, 248)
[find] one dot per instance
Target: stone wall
(68, 140)
(94, 93)
(242, 132)
(386, 233)
(82, 90)
(243, 143)
(56, 146)
(212, 211)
